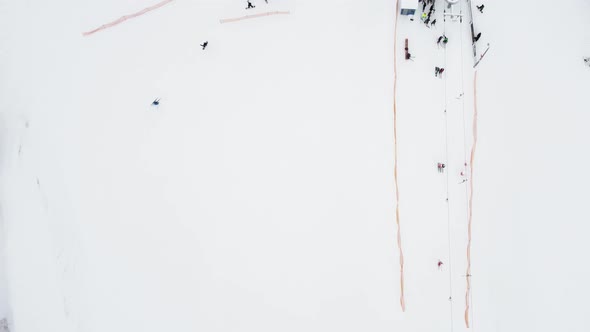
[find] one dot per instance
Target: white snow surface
(259, 195)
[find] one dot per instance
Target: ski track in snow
(471, 159)
(126, 17)
(399, 236)
(241, 18)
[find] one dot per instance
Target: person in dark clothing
(250, 5)
(439, 39)
(436, 71)
(427, 21)
(433, 22)
(476, 38)
(204, 45)
(424, 6)
(480, 8)
(440, 75)
(156, 102)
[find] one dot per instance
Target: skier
(427, 21)
(204, 45)
(433, 22)
(439, 39)
(424, 16)
(476, 38)
(480, 8)
(250, 5)
(445, 40)
(424, 6)
(436, 71)
(440, 264)
(440, 75)
(156, 102)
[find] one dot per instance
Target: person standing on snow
(250, 5)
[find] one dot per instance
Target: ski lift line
(126, 17)
(465, 156)
(471, 191)
(397, 219)
(241, 18)
(463, 101)
(447, 186)
(470, 205)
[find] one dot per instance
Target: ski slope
(260, 194)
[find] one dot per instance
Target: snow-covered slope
(259, 195)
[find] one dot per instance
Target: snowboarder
(480, 8)
(440, 264)
(204, 45)
(156, 102)
(476, 38)
(433, 22)
(440, 75)
(250, 5)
